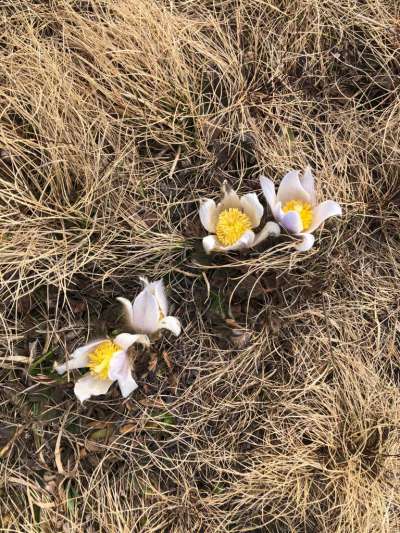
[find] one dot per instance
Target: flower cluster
(231, 224)
(294, 208)
(108, 359)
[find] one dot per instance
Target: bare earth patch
(277, 410)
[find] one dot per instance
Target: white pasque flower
(108, 361)
(231, 221)
(295, 206)
(149, 311)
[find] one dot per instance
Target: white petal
(172, 324)
(268, 189)
(291, 189)
(125, 340)
(230, 198)
(212, 244)
(292, 222)
(307, 182)
(127, 384)
(208, 215)
(79, 357)
(271, 229)
(145, 312)
(306, 243)
(277, 212)
(128, 310)
(118, 364)
(322, 212)
(89, 385)
(120, 370)
(252, 207)
(159, 292)
(245, 241)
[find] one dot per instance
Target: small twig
(57, 451)
(8, 447)
(208, 286)
(175, 162)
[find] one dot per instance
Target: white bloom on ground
(149, 311)
(231, 222)
(108, 361)
(295, 208)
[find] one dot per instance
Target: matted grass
(277, 409)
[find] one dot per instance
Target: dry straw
(277, 409)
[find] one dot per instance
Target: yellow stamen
(231, 225)
(100, 358)
(304, 209)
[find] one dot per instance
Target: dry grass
(277, 412)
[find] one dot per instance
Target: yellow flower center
(304, 209)
(231, 225)
(100, 358)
